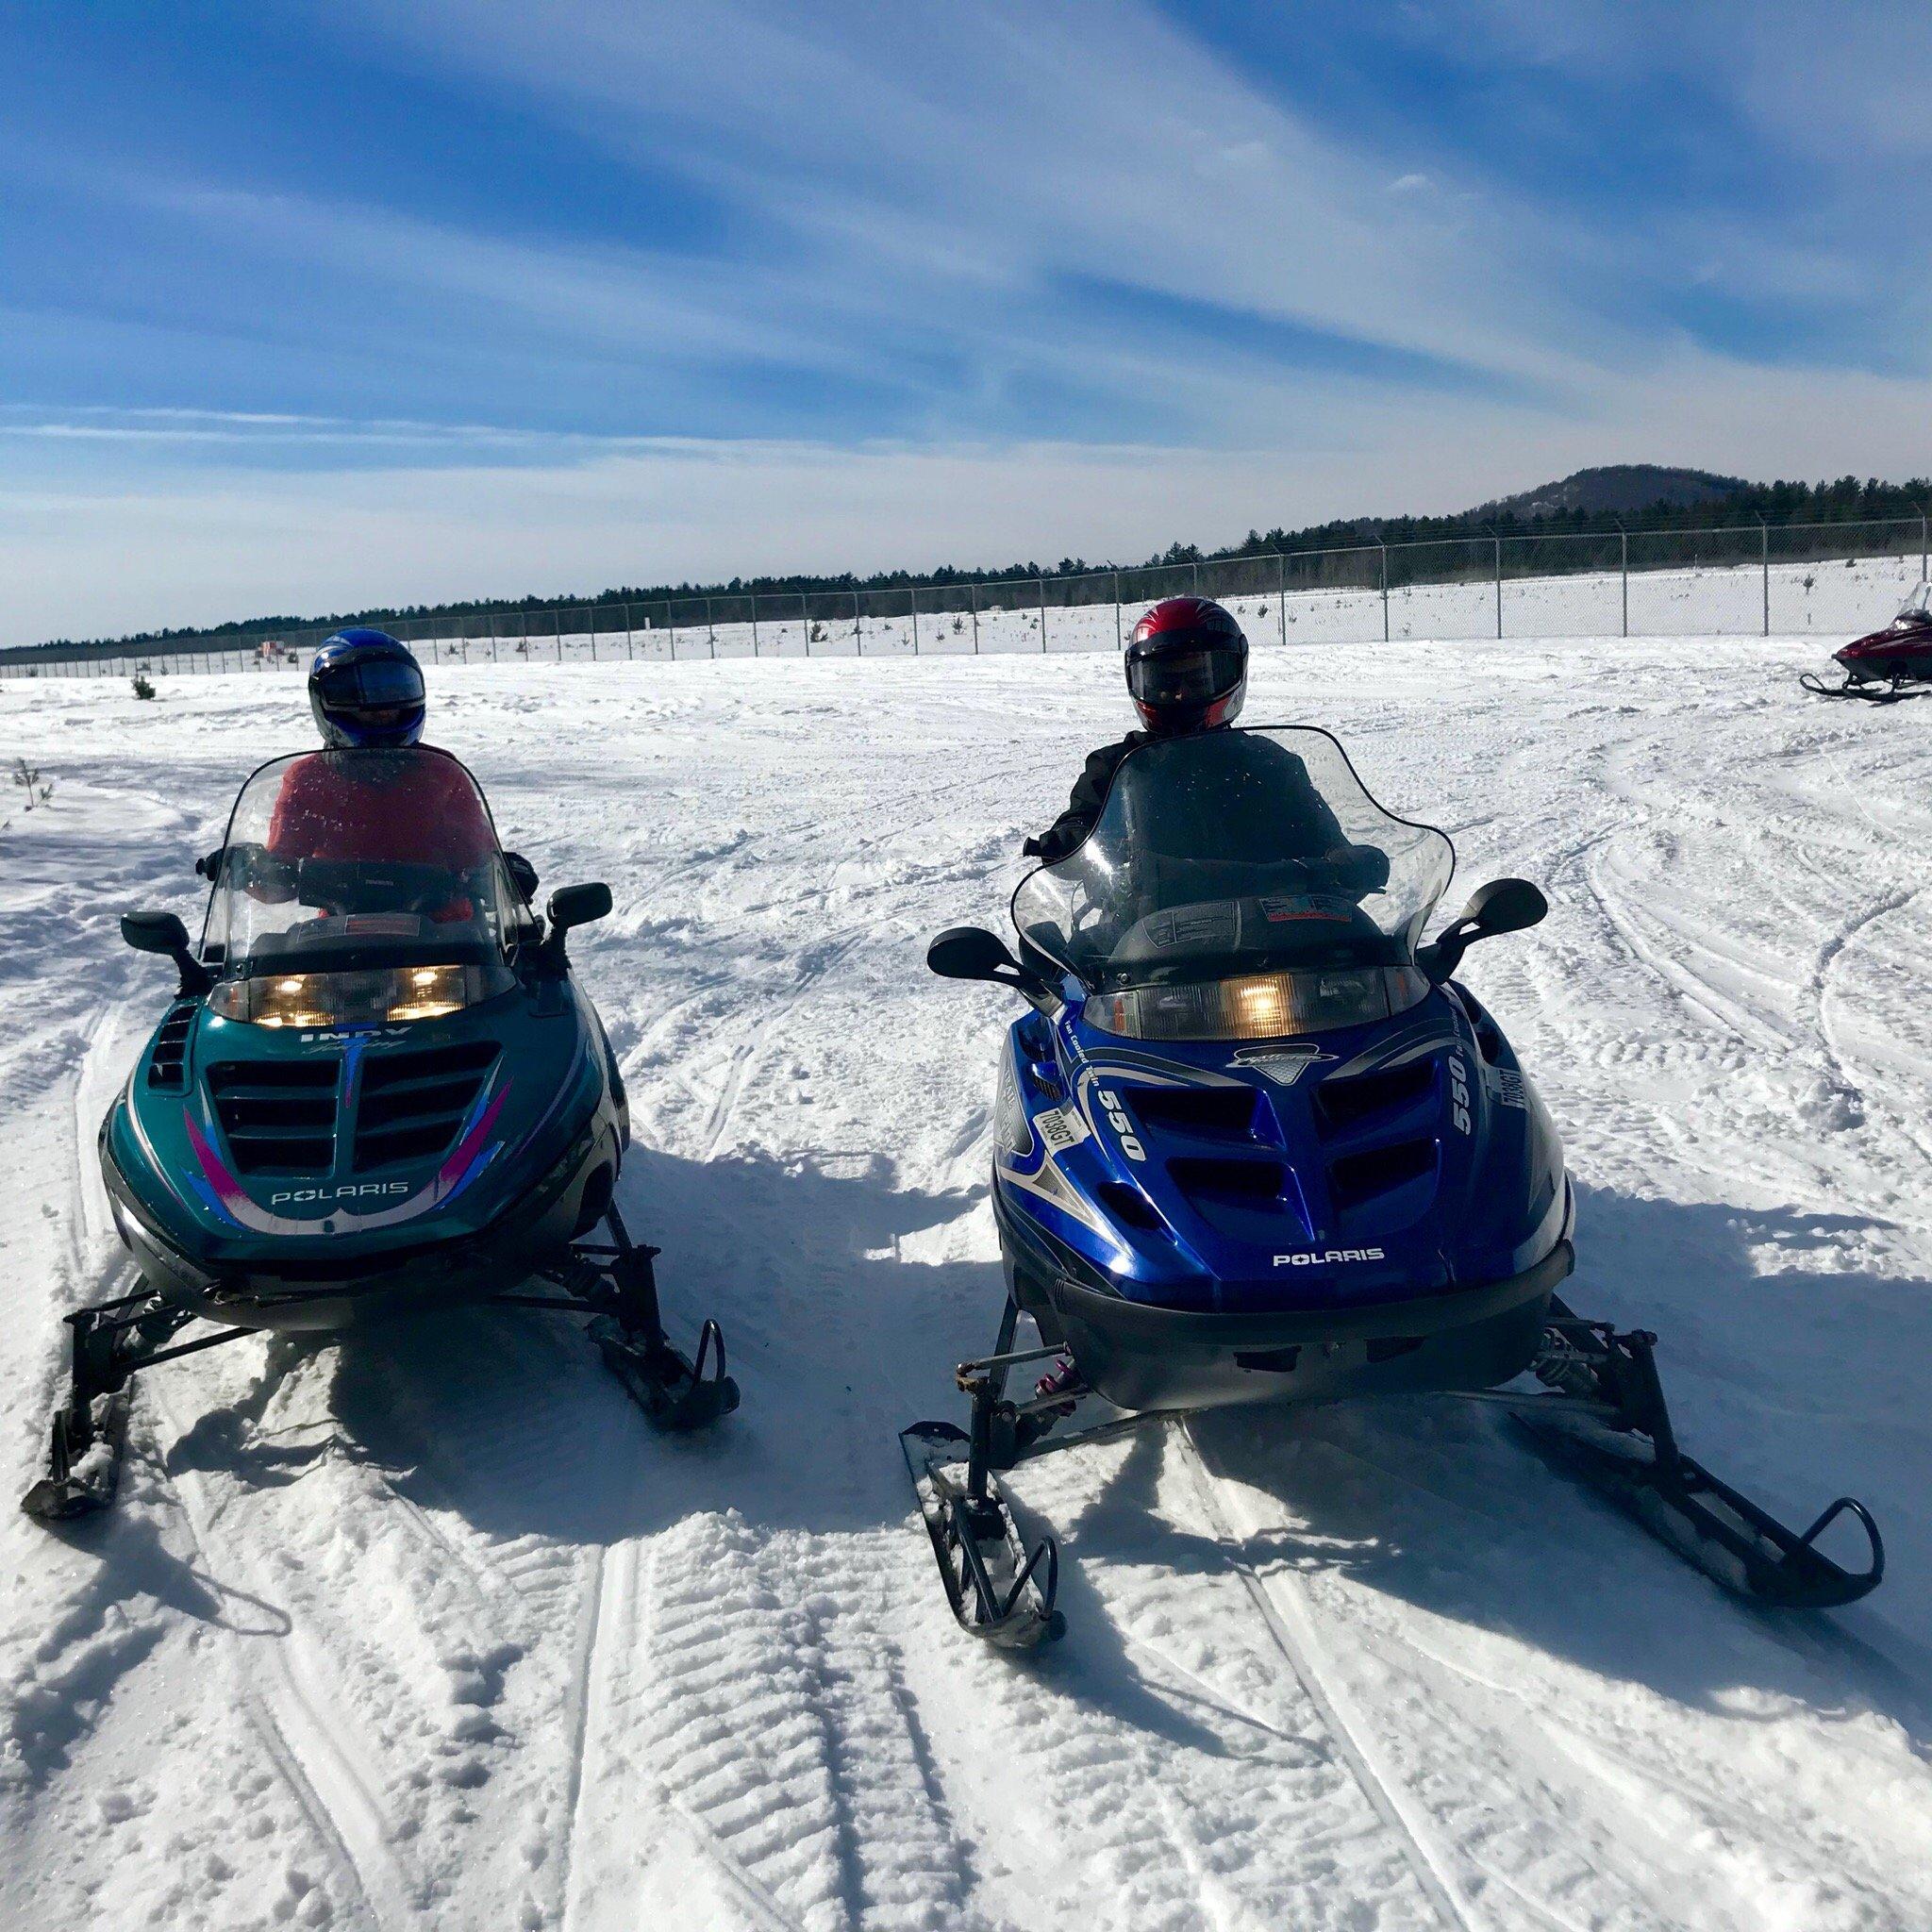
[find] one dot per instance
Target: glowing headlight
(1258, 1006)
(349, 999)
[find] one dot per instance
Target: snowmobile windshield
(381, 862)
(1917, 609)
(1239, 884)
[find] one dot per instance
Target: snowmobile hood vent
(1257, 1201)
(1357, 1179)
(167, 1067)
(1208, 1113)
(412, 1106)
(1374, 1099)
(277, 1116)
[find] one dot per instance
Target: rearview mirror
(1502, 906)
(578, 905)
(970, 952)
(154, 932)
(572, 906)
(163, 933)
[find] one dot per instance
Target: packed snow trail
(429, 1628)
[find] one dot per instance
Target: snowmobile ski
(1872, 691)
(110, 1342)
(674, 1390)
(999, 1590)
(1608, 1422)
(83, 1465)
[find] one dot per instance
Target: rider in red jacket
(419, 809)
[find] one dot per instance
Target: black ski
(1606, 1422)
(84, 1465)
(674, 1390)
(998, 1590)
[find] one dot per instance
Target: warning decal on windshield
(1304, 906)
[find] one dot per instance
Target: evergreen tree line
(1847, 500)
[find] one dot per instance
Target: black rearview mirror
(1502, 906)
(573, 905)
(163, 933)
(154, 932)
(578, 905)
(970, 952)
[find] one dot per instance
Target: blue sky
(308, 305)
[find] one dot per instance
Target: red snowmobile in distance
(1884, 665)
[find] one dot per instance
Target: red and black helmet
(1186, 665)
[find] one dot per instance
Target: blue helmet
(366, 689)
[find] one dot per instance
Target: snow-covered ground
(431, 1629)
(1840, 598)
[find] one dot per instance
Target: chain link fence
(1805, 579)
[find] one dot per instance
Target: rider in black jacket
(1187, 667)
(1187, 671)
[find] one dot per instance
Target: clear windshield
(1253, 860)
(360, 859)
(1917, 609)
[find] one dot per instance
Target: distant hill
(1615, 490)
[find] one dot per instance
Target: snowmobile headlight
(1258, 1006)
(387, 994)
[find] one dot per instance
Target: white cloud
(218, 544)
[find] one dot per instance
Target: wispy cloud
(851, 284)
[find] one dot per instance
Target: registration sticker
(1061, 1127)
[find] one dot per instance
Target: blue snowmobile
(1253, 1144)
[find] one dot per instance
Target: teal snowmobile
(377, 1090)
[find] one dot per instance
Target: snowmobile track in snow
(1287, 1625)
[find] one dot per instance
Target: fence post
(975, 590)
(1764, 563)
(710, 629)
(912, 598)
(1623, 569)
(1119, 642)
(754, 624)
(1384, 549)
(1196, 569)
(1924, 573)
(858, 626)
(805, 619)
(1043, 615)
